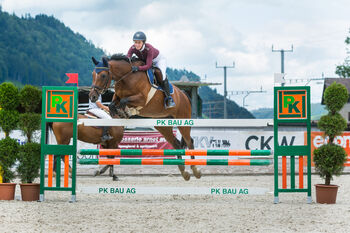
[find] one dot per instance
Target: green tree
(344, 69)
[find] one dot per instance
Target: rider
(101, 111)
(150, 55)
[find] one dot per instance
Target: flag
(73, 78)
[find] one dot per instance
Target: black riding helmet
(139, 36)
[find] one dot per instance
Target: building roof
(329, 81)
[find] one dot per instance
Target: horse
(63, 132)
(132, 93)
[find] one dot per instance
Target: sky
(194, 35)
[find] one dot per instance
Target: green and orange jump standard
(59, 104)
(292, 105)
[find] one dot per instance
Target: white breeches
(160, 62)
(100, 113)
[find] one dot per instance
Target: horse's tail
(49, 128)
(188, 96)
(49, 125)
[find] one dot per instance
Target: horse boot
(105, 135)
(168, 99)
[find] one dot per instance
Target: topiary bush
(30, 98)
(8, 96)
(329, 159)
(29, 162)
(8, 155)
(28, 123)
(8, 120)
(335, 97)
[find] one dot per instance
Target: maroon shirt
(146, 55)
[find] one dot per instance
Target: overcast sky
(195, 34)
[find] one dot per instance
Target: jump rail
(147, 152)
(178, 122)
(204, 162)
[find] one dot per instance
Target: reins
(110, 77)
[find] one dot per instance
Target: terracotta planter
(7, 191)
(30, 192)
(326, 194)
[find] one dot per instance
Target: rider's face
(138, 44)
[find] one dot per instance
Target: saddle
(153, 75)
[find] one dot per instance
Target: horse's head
(101, 78)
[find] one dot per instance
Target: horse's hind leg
(185, 132)
(167, 132)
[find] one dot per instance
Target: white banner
(215, 191)
(243, 140)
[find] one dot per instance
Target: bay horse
(132, 92)
(63, 132)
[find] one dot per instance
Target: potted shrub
(329, 159)
(29, 154)
(8, 146)
(28, 170)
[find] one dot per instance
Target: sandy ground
(178, 213)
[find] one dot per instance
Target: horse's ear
(94, 60)
(105, 61)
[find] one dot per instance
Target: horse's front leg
(137, 100)
(113, 105)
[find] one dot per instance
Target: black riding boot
(168, 99)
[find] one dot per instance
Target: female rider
(150, 55)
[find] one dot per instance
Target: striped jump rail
(169, 152)
(204, 162)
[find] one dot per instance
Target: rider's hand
(134, 69)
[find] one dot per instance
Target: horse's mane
(120, 56)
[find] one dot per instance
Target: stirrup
(169, 102)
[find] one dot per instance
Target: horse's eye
(103, 76)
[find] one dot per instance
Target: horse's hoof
(97, 173)
(115, 178)
(197, 174)
(186, 176)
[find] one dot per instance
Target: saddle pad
(151, 80)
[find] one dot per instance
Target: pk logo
(59, 104)
(292, 104)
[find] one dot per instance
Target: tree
(344, 69)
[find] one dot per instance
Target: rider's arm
(148, 61)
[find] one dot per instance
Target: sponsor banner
(243, 140)
(214, 191)
(144, 140)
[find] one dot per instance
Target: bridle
(102, 90)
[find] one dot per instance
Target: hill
(40, 50)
